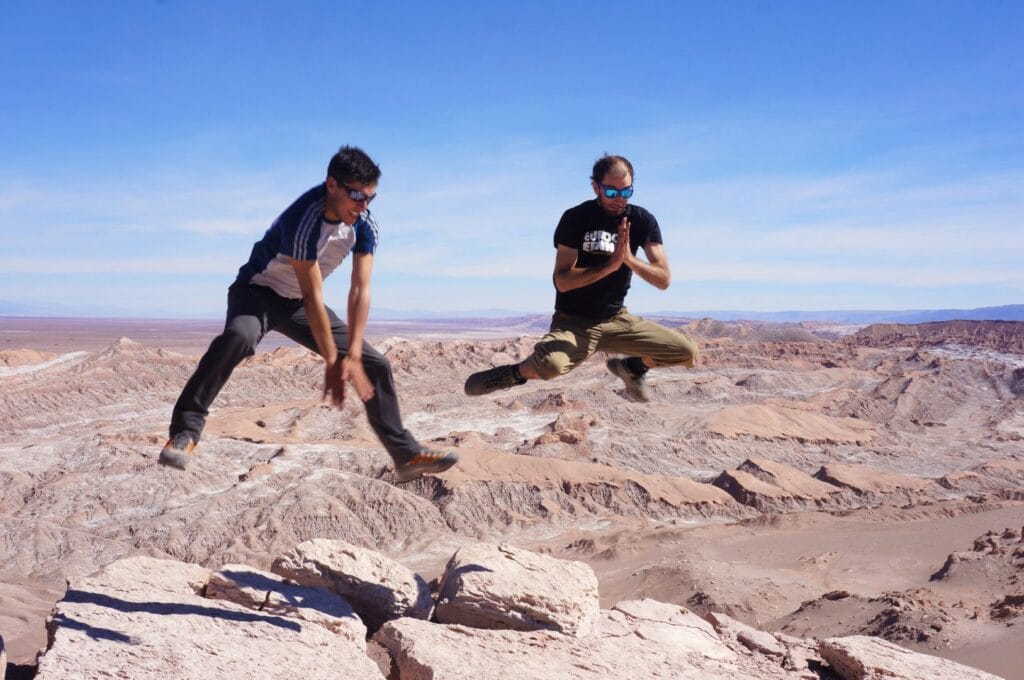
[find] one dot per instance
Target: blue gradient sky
(799, 156)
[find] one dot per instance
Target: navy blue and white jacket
(302, 233)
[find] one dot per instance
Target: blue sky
(799, 156)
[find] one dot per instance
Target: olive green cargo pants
(572, 339)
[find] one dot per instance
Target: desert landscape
(809, 481)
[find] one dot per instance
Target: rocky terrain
(799, 485)
(497, 607)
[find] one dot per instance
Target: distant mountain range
(858, 317)
(862, 316)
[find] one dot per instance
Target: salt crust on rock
(639, 639)
(379, 589)
(143, 618)
(501, 586)
(869, 658)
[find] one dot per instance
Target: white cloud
(117, 267)
(158, 204)
(480, 223)
(829, 273)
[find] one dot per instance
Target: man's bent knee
(550, 365)
(682, 353)
(239, 341)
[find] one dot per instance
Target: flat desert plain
(802, 478)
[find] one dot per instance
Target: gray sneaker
(425, 462)
(492, 380)
(177, 451)
(636, 386)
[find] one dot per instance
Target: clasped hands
(346, 369)
(623, 254)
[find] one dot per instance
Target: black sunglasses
(355, 194)
(612, 192)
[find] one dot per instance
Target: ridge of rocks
(145, 618)
(1003, 336)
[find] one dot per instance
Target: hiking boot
(177, 451)
(492, 380)
(426, 461)
(636, 386)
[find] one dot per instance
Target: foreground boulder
(794, 654)
(869, 658)
(144, 618)
(748, 636)
(379, 589)
(501, 586)
(272, 594)
(640, 639)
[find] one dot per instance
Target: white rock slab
(378, 588)
(272, 594)
(748, 636)
(861, 657)
(501, 586)
(800, 652)
(142, 618)
(666, 641)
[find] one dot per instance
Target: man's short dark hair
(352, 165)
(606, 163)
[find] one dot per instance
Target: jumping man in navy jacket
(280, 288)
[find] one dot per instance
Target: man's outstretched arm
(311, 283)
(358, 313)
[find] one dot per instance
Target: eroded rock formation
(149, 618)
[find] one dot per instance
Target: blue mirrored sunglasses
(612, 192)
(357, 195)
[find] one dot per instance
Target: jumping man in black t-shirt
(597, 242)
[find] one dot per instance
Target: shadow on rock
(168, 609)
(294, 596)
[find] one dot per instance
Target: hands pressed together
(346, 369)
(622, 255)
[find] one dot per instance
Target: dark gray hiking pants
(252, 312)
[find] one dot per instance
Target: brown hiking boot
(177, 452)
(492, 380)
(425, 462)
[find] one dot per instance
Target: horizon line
(502, 314)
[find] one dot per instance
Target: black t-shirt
(593, 232)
